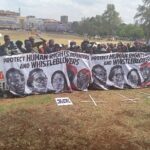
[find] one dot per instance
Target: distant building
(22, 22)
(56, 26)
(64, 19)
(13, 20)
(30, 23)
(33, 23)
(9, 13)
(40, 24)
(9, 20)
(50, 24)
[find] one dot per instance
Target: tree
(111, 19)
(143, 17)
(130, 31)
(102, 25)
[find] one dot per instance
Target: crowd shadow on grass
(39, 129)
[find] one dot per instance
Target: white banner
(66, 71)
(120, 70)
(37, 73)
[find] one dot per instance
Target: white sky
(75, 9)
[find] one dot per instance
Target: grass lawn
(61, 38)
(22, 35)
(37, 123)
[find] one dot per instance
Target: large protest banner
(36, 73)
(66, 71)
(120, 70)
(40, 73)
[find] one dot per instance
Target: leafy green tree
(75, 26)
(143, 17)
(130, 31)
(111, 19)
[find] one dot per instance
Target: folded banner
(66, 71)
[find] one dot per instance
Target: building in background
(64, 19)
(57, 26)
(9, 20)
(22, 22)
(30, 23)
(14, 20)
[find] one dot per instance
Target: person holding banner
(15, 81)
(37, 81)
(36, 45)
(116, 76)
(99, 74)
(59, 81)
(134, 79)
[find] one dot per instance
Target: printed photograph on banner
(134, 79)
(15, 81)
(37, 81)
(59, 81)
(116, 76)
(63, 101)
(79, 73)
(99, 75)
(145, 72)
(100, 71)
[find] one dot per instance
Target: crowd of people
(79, 79)
(45, 47)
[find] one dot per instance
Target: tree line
(111, 24)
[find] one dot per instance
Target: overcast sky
(75, 9)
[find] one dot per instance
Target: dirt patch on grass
(40, 129)
(112, 125)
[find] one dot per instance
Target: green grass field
(61, 38)
(37, 123)
(22, 35)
